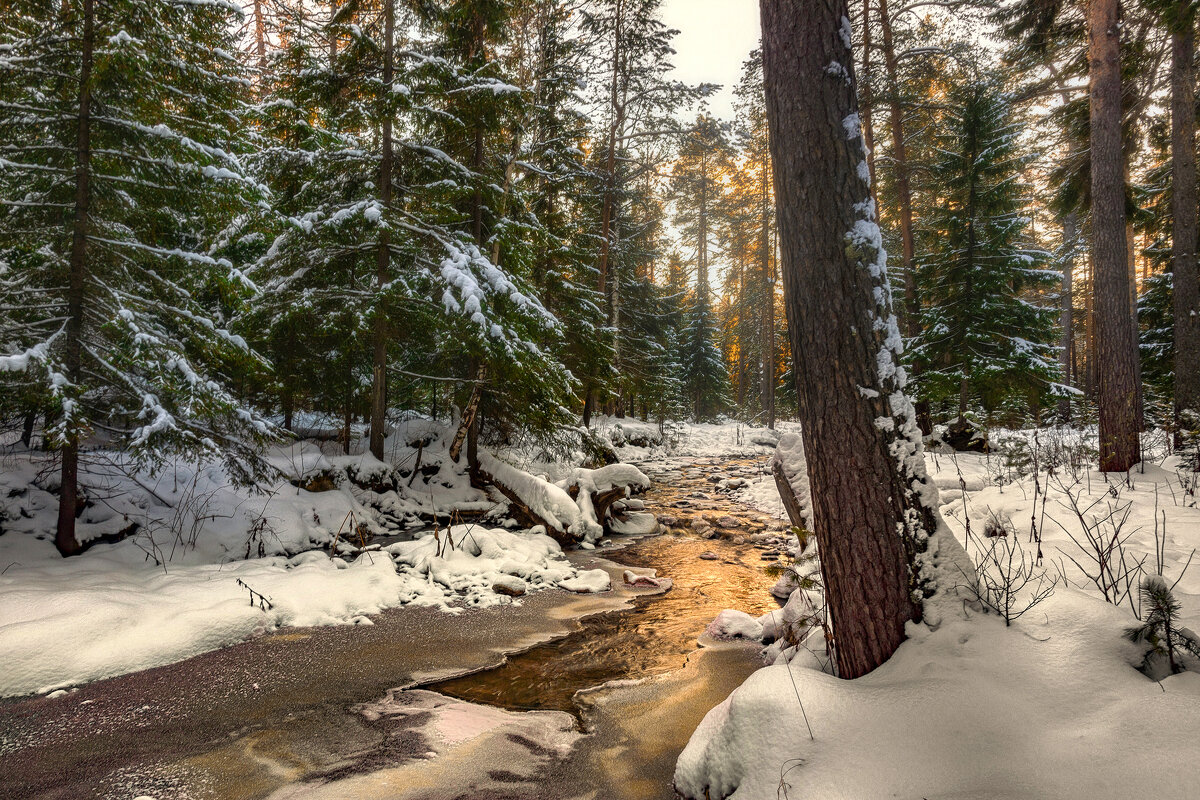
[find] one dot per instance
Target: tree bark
(787, 494)
(260, 36)
(1185, 278)
(767, 274)
(1116, 348)
(1070, 242)
(383, 255)
(912, 305)
(1089, 330)
(843, 336)
(867, 98)
(610, 164)
(1139, 405)
(68, 499)
(468, 417)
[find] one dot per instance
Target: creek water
(561, 697)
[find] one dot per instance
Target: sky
(715, 37)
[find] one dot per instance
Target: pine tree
(705, 379)
(1161, 629)
(984, 329)
(635, 104)
(868, 509)
(753, 184)
(118, 126)
(388, 243)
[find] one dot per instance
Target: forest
(530, 314)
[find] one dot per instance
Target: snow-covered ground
(1053, 706)
(205, 564)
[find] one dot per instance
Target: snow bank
(972, 709)
(968, 707)
(73, 621)
(69, 621)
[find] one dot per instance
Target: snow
(66, 623)
(461, 565)
(966, 698)
(733, 624)
(972, 709)
(181, 583)
(587, 581)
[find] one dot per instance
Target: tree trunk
(383, 255)
(861, 494)
(867, 98)
(333, 11)
(68, 499)
(260, 36)
(1089, 330)
(1116, 348)
(702, 226)
(1185, 278)
(473, 450)
(1070, 242)
(1139, 410)
(610, 164)
(787, 494)
(912, 305)
(767, 274)
(468, 417)
(27, 428)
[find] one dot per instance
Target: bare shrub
(1100, 540)
(1007, 579)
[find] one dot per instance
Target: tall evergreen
(390, 244)
(986, 330)
(118, 134)
(635, 103)
(705, 379)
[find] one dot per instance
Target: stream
(563, 696)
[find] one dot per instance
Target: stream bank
(317, 712)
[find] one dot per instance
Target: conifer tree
(118, 126)
(389, 240)
(634, 103)
(705, 379)
(984, 330)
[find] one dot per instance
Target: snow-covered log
(791, 478)
(578, 509)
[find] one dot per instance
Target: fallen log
(523, 513)
(790, 470)
(787, 494)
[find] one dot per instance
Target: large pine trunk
(68, 499)
(1186, 279)
(1116, 347)
(835, 290)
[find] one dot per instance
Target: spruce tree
(705, 379)
(118, 129)
(985, 331)
(388, 245)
